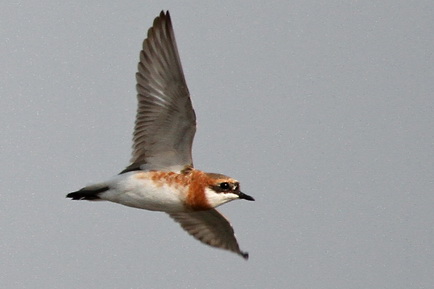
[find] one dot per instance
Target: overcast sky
(323, 110)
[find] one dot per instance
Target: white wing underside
(211, 228)
(166, 122)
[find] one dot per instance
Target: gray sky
(322, 109)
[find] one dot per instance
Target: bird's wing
(211, 228)
(165, 122)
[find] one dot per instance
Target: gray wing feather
(211, 228)
(166, 122)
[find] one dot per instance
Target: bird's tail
(90, 193)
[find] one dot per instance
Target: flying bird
(161, 176)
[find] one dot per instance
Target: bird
(161, 175)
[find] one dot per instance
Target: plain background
(324, 110)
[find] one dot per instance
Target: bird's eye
(225, 186)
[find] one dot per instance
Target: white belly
(144, 194)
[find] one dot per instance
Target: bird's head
(222, 189)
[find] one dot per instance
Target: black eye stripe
(225, 187)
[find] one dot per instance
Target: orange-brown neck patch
(196, 199)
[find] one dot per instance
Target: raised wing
(166, 122)
(211, 228)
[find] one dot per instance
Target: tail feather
(87, 194)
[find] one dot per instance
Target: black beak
(245, 197)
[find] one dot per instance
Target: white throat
(217, 199)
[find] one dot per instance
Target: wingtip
(164, 14)
(245, 255)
